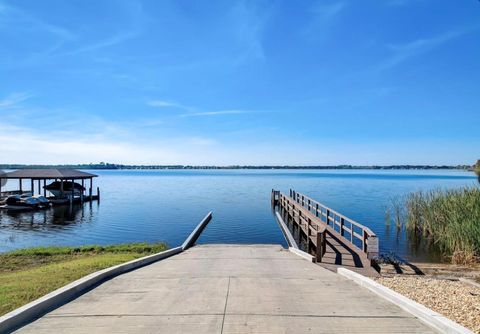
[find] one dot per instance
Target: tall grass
(476, 169)
(448, 218)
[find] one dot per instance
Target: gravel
(454, 299)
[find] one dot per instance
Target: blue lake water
(165, 205)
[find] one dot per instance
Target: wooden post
(73, 191)
(328, 215)
(82, 192)
(98, 194)
(321, 243)
(61, 188)
(90, 191)
(275, 197)
(307, 223)
(39, 187)
(352, 232)
(364, 241)
(342, 223)
(44, 189)
(316, 210)
(372, 249)
(20, 185)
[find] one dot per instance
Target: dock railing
(313, 217)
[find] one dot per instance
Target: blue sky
(240, 82)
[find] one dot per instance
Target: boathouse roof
(50, 173)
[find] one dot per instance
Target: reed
(450, 219)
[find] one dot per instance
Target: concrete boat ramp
(229, 289)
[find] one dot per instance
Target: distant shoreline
(109, 166)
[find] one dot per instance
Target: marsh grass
(449, 219)
(476, 169)
(28, 274)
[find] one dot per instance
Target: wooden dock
(332, 238)
(229, 289)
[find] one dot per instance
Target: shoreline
(107, 166)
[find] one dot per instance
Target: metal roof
(51, 173)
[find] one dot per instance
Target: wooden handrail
(311, 226)
(318, 214)
(320, 205)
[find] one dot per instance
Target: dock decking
(332, 238)
(229, 289)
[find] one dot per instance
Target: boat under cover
(56, 188)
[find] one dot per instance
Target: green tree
(476, 168)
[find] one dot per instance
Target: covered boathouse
(39, 176)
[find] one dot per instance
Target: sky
(240, 82)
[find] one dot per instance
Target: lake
(165, 205)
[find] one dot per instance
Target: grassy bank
(28, 274)
(450, 219)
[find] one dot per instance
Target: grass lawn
(28, 274)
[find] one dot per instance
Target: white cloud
(111, 41)
(247, 24)
(403, 52)
(165, 104)
(220, 112)
(324, 15)
(398, 3)
(196, 112)
(22, 145)
(14, 100)
(31, 22)
(201, 141)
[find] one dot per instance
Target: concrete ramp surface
(229, 289)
